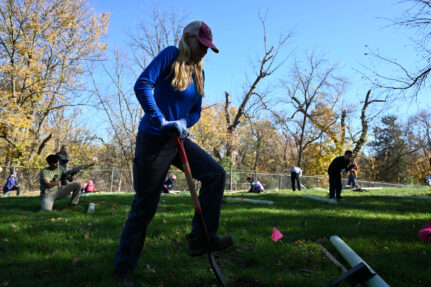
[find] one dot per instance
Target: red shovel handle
(187, 172)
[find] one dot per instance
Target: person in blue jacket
(170, 91)
(169, 183)
(12, 184)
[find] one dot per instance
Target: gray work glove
(180, 126)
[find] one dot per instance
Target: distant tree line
(52, 56)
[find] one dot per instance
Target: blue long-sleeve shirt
(11, 182)
(160, 100)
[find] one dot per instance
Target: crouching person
(50, 184)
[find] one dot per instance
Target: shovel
(198, 209)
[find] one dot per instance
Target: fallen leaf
(165, 221)
(53, 220)
(87, 235)
(75, 261)
(114, 205)
(13, 225)
(149, 269)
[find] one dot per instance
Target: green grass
(71, 248)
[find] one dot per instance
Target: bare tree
(404, 79)
(150, 38)
(365, 121)
(267, 65)
(117, 99)
(312, 93)
(122, 110)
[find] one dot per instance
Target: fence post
(112, 179)
(119, 182)
(279, 182)
(230, 187)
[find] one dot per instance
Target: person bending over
(255, 185)
(338, 165)
(170, 91)
(295, 176)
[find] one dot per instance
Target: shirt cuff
(183, 122)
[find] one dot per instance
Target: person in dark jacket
(339, 164)
(63, 155)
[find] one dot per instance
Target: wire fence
(120, 180)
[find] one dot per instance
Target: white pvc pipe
(249, 200)
(322, 199)
(406, 196)
(353, 259)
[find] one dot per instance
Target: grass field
(71, 248)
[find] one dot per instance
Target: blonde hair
(184, 73)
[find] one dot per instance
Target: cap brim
(208, 44)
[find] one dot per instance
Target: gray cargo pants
(49, 198)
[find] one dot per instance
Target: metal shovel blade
(216, 269)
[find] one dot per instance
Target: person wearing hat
(11, 184)
(169, 183)
(255, 185)
(170, 91)
(89, 187)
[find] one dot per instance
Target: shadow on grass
(77, 249)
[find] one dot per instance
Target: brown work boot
(221, 243)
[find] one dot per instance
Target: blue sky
(337, 30)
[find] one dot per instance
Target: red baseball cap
(202, 32)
